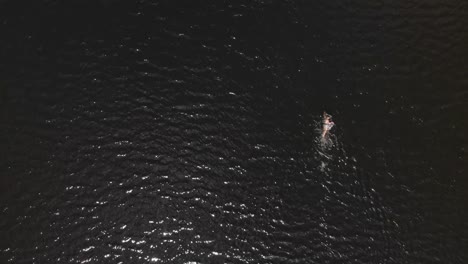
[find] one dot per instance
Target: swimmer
(327, 124)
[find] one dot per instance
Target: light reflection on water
(192, 135)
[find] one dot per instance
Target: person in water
(327, 124)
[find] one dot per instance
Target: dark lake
(189, 131)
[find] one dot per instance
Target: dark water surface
(181, 132)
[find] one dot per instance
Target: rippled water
(174, 132)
